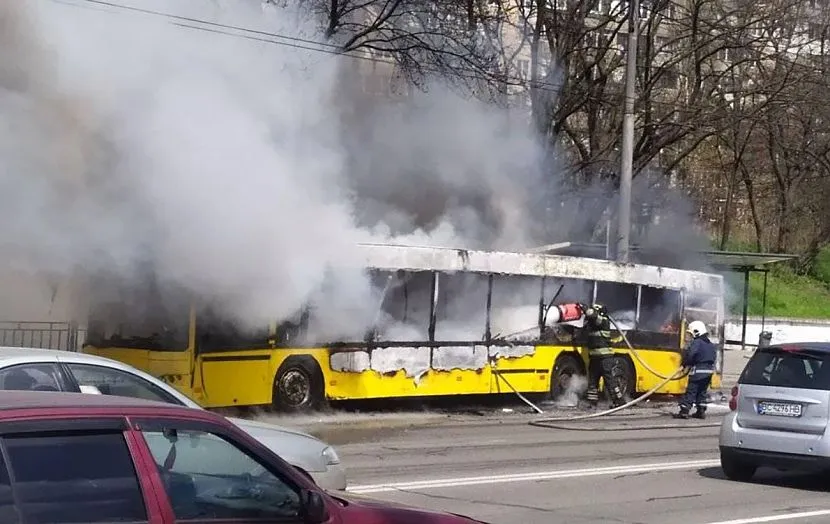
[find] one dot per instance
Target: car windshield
(791, 368)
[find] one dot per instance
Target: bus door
(709, 309)
(234, 363)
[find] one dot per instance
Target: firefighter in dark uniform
(699, 358)
(601, 357)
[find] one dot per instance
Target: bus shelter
(746, 264)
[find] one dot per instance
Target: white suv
(780, 411)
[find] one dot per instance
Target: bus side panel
(526, 374)
(661, 361)
(368, 384)
(236, 378)
(137, 358)
(246, 377)
(173, 367)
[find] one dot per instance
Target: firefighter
(601, 357)
(699, 358)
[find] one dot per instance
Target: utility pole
(627, 159)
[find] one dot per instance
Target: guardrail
(65, 336)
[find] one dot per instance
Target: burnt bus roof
(394, 257)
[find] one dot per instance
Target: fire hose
(551, 422)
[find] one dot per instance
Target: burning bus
(445, 322)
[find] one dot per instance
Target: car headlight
(331, 456)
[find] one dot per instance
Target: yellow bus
(448, 322)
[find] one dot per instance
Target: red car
(76, 458)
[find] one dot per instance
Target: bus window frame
(198, 346)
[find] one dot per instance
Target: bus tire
(626, 376)
(566, 366)
(298, 385)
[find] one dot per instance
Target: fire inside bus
(448, 322)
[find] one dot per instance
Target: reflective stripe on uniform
(600, 351)
(695, 371)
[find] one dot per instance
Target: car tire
(737, 470)
(298, 386)
(566, 366)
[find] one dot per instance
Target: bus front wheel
(298, 385)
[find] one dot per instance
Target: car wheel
(566, 367)
(297, 386)
(736, 470)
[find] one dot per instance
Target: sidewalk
(734, 362)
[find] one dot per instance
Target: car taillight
(733, 401)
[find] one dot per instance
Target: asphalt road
(500, 469)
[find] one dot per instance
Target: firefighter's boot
(700, 412)
(592, 396)
(683, 414)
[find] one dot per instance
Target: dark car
(76, 458)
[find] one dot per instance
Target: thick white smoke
(126, 139)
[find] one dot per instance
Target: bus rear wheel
(625, 376)
(298, 386)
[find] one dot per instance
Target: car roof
(11, 355)
(16, 353)
(10, 352)
(54, 403)
(820, 347)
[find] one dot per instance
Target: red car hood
(364, 510)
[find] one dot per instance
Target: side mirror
(314, 509)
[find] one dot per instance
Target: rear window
(803, 369)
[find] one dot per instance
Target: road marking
(776, 518)
(529, 477)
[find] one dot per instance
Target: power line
(332, 49)
(327, 48)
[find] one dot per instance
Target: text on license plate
(779, 409)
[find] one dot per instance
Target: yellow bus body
(246, 377)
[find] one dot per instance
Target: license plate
(779, 409)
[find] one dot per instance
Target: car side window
(119, 383)
(31, 377)
(74, 478)
(209, 478)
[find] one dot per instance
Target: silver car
(780, 411)
(48, 370)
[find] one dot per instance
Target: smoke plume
(232, 167)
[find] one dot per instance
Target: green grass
(788, 294)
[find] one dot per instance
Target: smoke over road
(226, 164)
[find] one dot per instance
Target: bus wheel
(566, 367)
(624, 374)
(298, 385)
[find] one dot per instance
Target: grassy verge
(788, 294)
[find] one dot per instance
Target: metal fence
(66, 336)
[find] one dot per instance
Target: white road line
(528, 477)
(776, 518)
